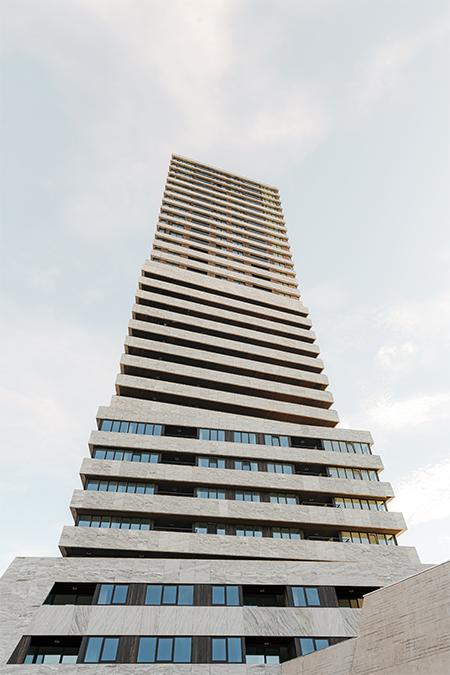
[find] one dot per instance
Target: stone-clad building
(224, 518)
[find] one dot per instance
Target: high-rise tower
(223, 516)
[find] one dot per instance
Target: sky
(342, 104)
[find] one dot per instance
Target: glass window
(225, 595)
(153, 594)
(182, 652)
(234, 650)
(312, 597)
(101, 650)
(307, 646)
(244, 437)
(247, 496)
(164, 649)
(218, 649)
(106, 425)
(278, 467)
(248, 531)
(245, 465)
(169, 596)
(186, 595)
(211, 462)
(298, 594)
(285, 533)
(146, 650)
(283, 499)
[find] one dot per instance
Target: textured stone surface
(227, 510)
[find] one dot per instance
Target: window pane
(105, 595)
(147, 648)
(169, 595)
(132, 428)
(109, 652)
(120, 594)
(232, 595)
(321, 643)
(106, 425)
(218, 595)
(298, 594)
(140, 428)
(307, 645)
(94, 646)
(312, 596)
(218, 649)
(234, 650)
(153, 595)
(165, 646)
(123, 427)
(182, 650)
(185, 595)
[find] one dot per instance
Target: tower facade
(224, 517)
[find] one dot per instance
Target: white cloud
(411, 412)
(386, 63)
(424, 494)
(397, 357)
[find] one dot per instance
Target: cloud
(397, 357)
(380, 74)
(424, 495)
(411, 412)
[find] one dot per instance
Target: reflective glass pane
(321, 643)
(218, 595)
(94, 646)
(120, 594)
(146, 651)
(99, 454)
(109, 652)
(106, 425)
(123, 427)
(153, 595)
(234, 650)
(182, 650)
(186, 595)
(232, 595)
(105, 595)
(140, 428)
(169, 595)
(298, 594)
(165, 647)
(218, 649)
(307, 645)
(312, 597)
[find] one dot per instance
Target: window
(309, 645)
(101, 650)
(278, 467)
(209, 493)
(244, 437)
(226, 650)
(212, 434)
(365, 504)
(248, 531)
(368, 538)
(169, 594)
(164, 650)
(347, 446)
(247, 496)
(50, 650)
(348, 472)
(211, 462)
(112, 594)
(225, 595)
(245, 465)
(120, 486)
(126, 455)
(71, 594)
(131, 427)
(114, 522)
(270, 439)
(285, 533)
(305, 596)
(209, 528)
(283, 499)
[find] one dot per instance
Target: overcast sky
(342, 104)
